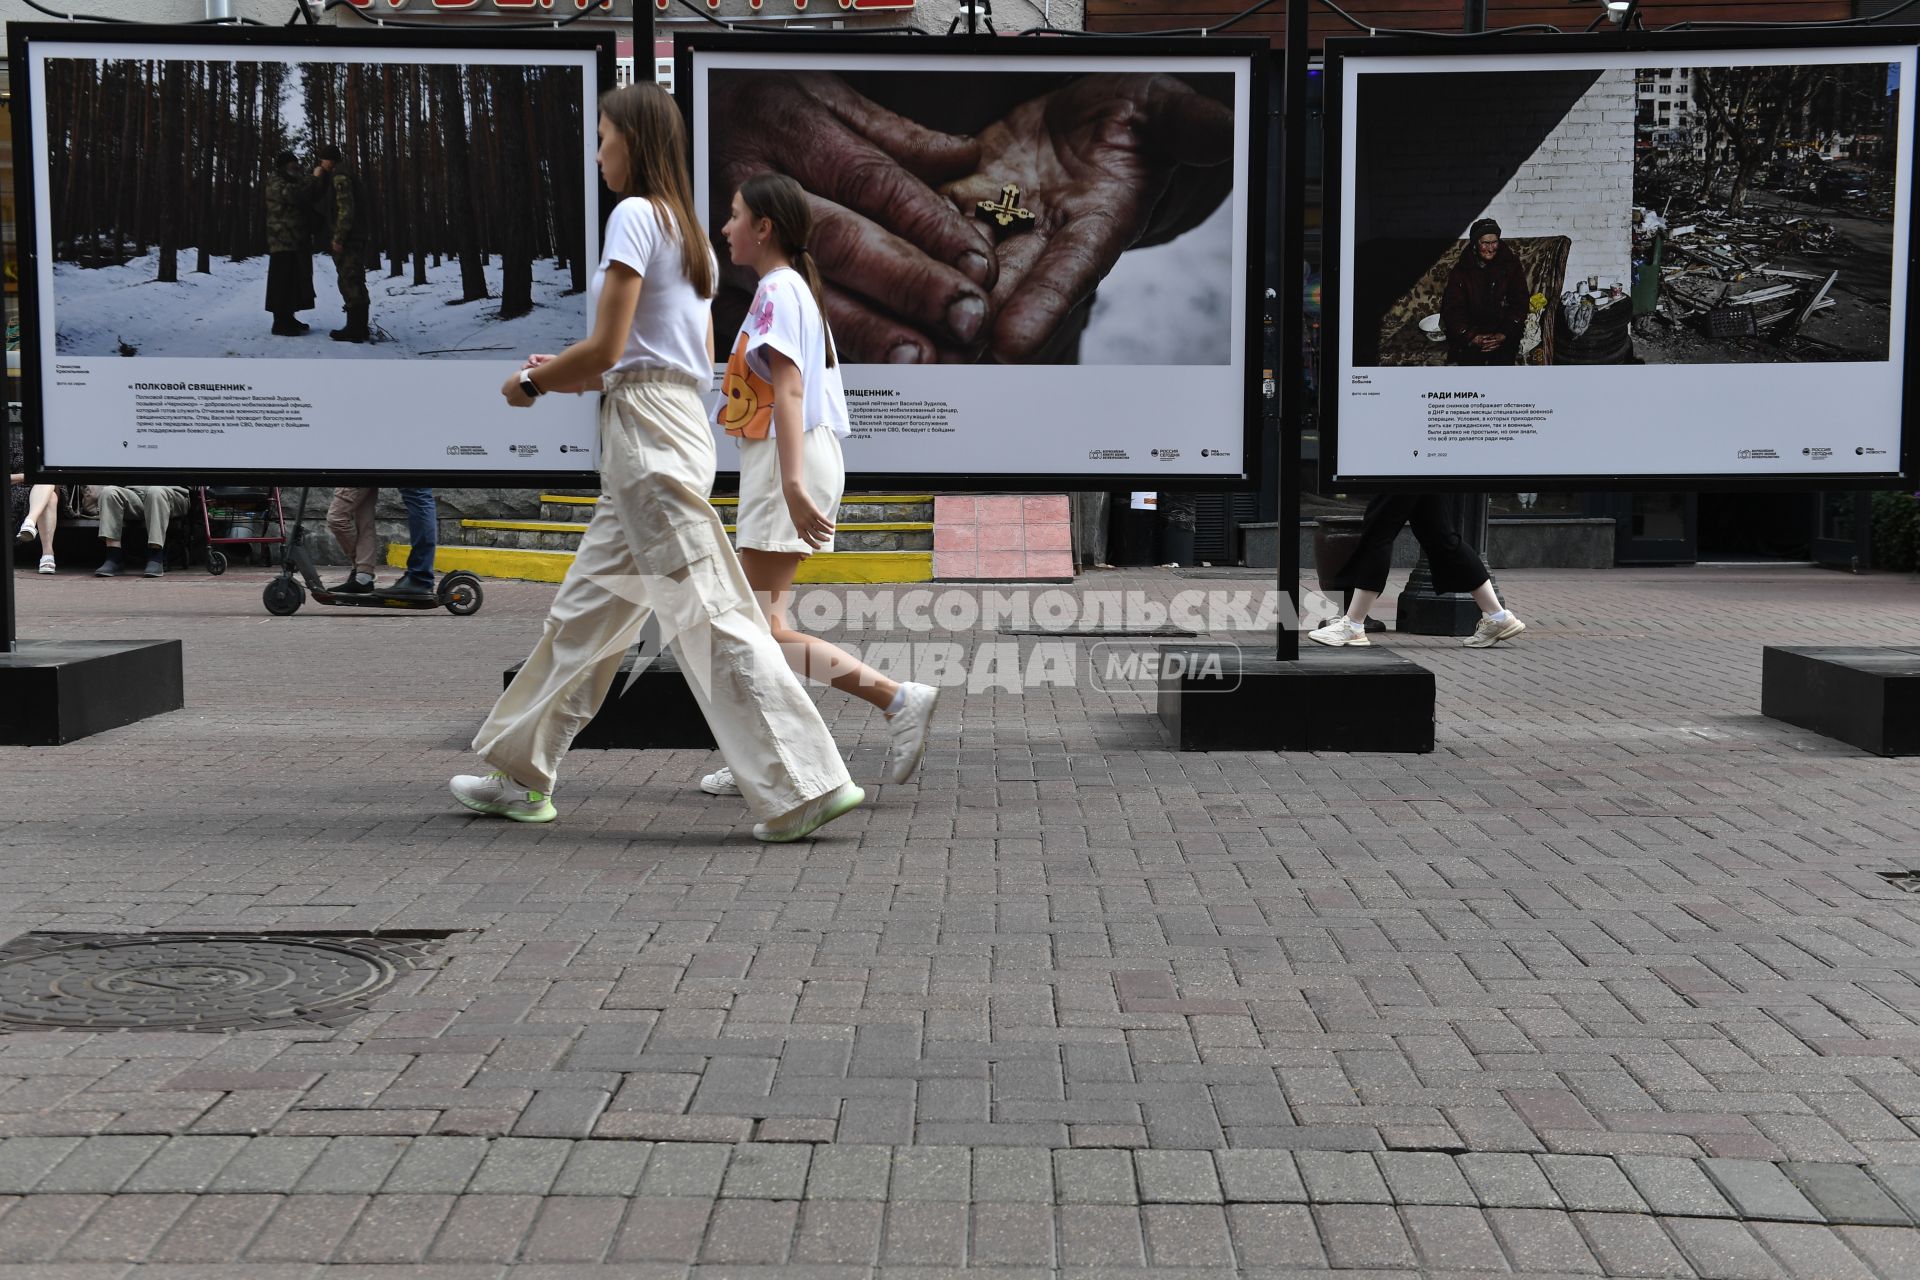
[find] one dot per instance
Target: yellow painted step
(570, 526)
(863, 499)
(551, 566)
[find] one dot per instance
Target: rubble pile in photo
(1717, 263)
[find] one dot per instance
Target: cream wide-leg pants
(655, 545)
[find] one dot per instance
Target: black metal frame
(20, 40)
(1334, 369)
(1255, 54)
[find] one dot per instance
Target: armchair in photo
(1402, 340)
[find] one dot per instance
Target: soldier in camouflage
(289, 196)
(345, 214)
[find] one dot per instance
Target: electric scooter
(458, 592)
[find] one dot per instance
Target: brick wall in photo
(1455, 159)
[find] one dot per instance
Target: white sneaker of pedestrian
(909, 728)
(1494, 628)
(499, 796)
(811, 816)
(720, 783)
(1341, 631)
(46, 564)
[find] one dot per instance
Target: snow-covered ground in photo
(97, 310)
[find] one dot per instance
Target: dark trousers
(1455, 564)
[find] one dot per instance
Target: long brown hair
(782, 202)
(649, 123)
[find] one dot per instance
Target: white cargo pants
(655, 544)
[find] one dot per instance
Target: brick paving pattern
(1610, 984)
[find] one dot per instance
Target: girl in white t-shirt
(783, 401)
(655, 543)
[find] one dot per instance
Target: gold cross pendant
(1008, 210)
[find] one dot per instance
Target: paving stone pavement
(1611, 983)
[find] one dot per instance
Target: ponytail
(782, 202)
(810, 271)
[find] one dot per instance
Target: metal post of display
(9, 628)
(1291, 303)
(1347, 699)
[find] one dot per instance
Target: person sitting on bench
(154, 505)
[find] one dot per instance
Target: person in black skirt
(1455, 564)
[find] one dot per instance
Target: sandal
(27, 532)
(46, 564)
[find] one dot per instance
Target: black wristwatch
(528, 385)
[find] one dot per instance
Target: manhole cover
(197, 982)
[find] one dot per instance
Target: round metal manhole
(192, 983)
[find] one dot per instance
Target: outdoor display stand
(146, 353)
(1098, 393)
(1582, 188)
(1099, 396)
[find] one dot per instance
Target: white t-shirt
(670, 323)
(784, 316)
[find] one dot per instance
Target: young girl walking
(783, 401)
(654, 542)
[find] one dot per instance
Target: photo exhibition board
(1037, 267)
(1557, 264)
(180, 285)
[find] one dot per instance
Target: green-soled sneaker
(811, 816)
(499, 796)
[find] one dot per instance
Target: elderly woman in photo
(1484, 309)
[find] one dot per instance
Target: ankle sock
(899, 701)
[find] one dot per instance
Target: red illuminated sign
(454, 5)
(856, 5)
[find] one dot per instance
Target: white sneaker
(27, 532)
(1341, 631)
(46, 564)
(499, 796)
(811, 816)
(720, 783)
(1492, 631)
(909, 729)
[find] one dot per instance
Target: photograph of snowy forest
(310, 209)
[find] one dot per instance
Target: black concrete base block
(1221, 698)
(656, 712)
(55, 691)
(1431, 613)
(1867, 698)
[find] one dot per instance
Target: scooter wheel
(216, 563)
(283, 597)
(461, 594)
